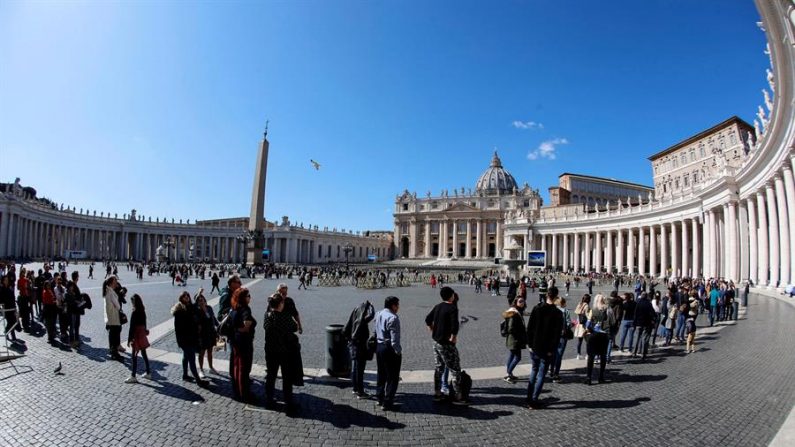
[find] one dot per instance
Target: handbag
(122, 318)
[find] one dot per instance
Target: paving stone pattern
(736, 390)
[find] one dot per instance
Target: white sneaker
(201, 375)
(147, 376)
(131, 379)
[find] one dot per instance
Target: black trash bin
(338, 359)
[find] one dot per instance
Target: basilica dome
(496, 179)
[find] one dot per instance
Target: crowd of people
(629, 322)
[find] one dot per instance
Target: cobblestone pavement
(736, 390)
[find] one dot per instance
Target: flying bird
(58, 369)
(315, 164)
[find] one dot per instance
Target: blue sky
(160, 106)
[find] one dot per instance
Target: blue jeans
(712, 311)
(445, 379)
(540, 365)
(514, 357)
(627, 327)
(680, 326)
(558, 357)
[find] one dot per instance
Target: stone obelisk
(256, 220)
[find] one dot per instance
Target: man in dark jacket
(357, 332)
(225, 300)
(544, 330)
(442, 322)
(645, 323)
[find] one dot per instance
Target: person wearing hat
(690, 326)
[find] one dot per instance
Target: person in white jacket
(112, 319)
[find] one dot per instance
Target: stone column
(427, 251)
(620, 257)
(609, 250)
(652, 252)
(733, 238)
(713, 244)
(753, 237)
(773, 229)
(587, 247)
(744, 243)
(597, 261)
(412, 240)
(631, 251)
(663, 251)
(554, 264)
(696, 261)
(4, 223)
(675, 265)
(468, 254)
(478, 239)
(577, 254)
(443, 239)
(685, 251)
(565, 252)
(783, 231)
(499, 241)
(789, 187)
(641, 251)
(455, 238)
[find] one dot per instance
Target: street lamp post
(168, 243)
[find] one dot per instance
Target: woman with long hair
(137, 339)
(515, 337)
(208, 333)
(581, 311)
(244, 326)
(112, 318)
(186, 328)
(600, 320)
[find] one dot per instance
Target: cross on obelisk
(256, 221)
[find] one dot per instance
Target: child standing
(137, 338)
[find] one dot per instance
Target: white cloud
(527, 125)
(547, 149)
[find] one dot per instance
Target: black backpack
(504, 327)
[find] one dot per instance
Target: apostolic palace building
(722, 202)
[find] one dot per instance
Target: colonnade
(28, 237)
(27, 231)
(749, 237)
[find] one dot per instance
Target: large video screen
(536, 259)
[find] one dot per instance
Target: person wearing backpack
(513, 329)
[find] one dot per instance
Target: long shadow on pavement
(340, 415)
